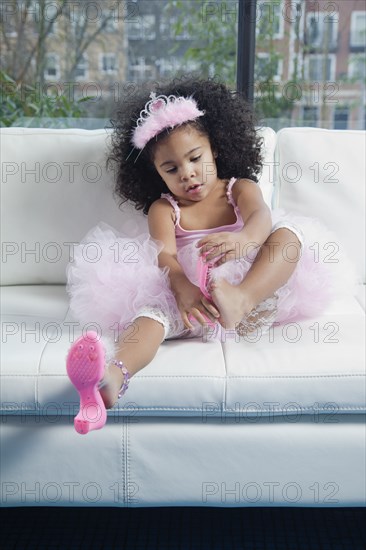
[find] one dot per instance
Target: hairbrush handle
(203, 270)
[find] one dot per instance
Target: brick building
(312, 52)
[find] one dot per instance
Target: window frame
(279, 75)
(340, 109)
(319, 56)
(321, 15)
(352, 30)
(84, 59)
(353, 58)
(55, 77)
(140, 30)
(108, 55)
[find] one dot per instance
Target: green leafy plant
(23, 100)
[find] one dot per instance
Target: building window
(109, 63)
(110, 22)
(81, 69)
(143, 28)
(270, 19)
(320, 67)
(34, 11)
(321, 30)
(358, 30)
(268, 68)
(45, 13)
(167, 66)
(310, 116)
(78, 24)
(52, 68)
(50, 15)
(340, 118)
(140, 70)
(9, 28)
(357, 66)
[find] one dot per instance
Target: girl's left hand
(220, 247)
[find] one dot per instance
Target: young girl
(215, 257)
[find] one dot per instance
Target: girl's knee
(285, 243)
(286, 237)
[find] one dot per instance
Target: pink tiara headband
(163, 112)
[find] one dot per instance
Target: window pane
(102, 50)
(341, 118)
(313, 73)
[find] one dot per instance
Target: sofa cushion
(360, 295)
(310, 367)
(55, 188)
(315, 177)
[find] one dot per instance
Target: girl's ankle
(125, 376)
(114, 383)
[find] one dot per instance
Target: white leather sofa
(277, 421)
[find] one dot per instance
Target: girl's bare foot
(231, 301)
(239, 312)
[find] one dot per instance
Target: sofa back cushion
(55, 187)
(321, 173)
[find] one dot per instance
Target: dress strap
(174, 204)
(229, 192)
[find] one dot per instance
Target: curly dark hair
(229, 124)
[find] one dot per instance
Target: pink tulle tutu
(323, 270)
(112, 277)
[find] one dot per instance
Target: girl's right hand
(192, 303)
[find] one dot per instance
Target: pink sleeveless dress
(111, 293)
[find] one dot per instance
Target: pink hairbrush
(203, 272)
(85, 368)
